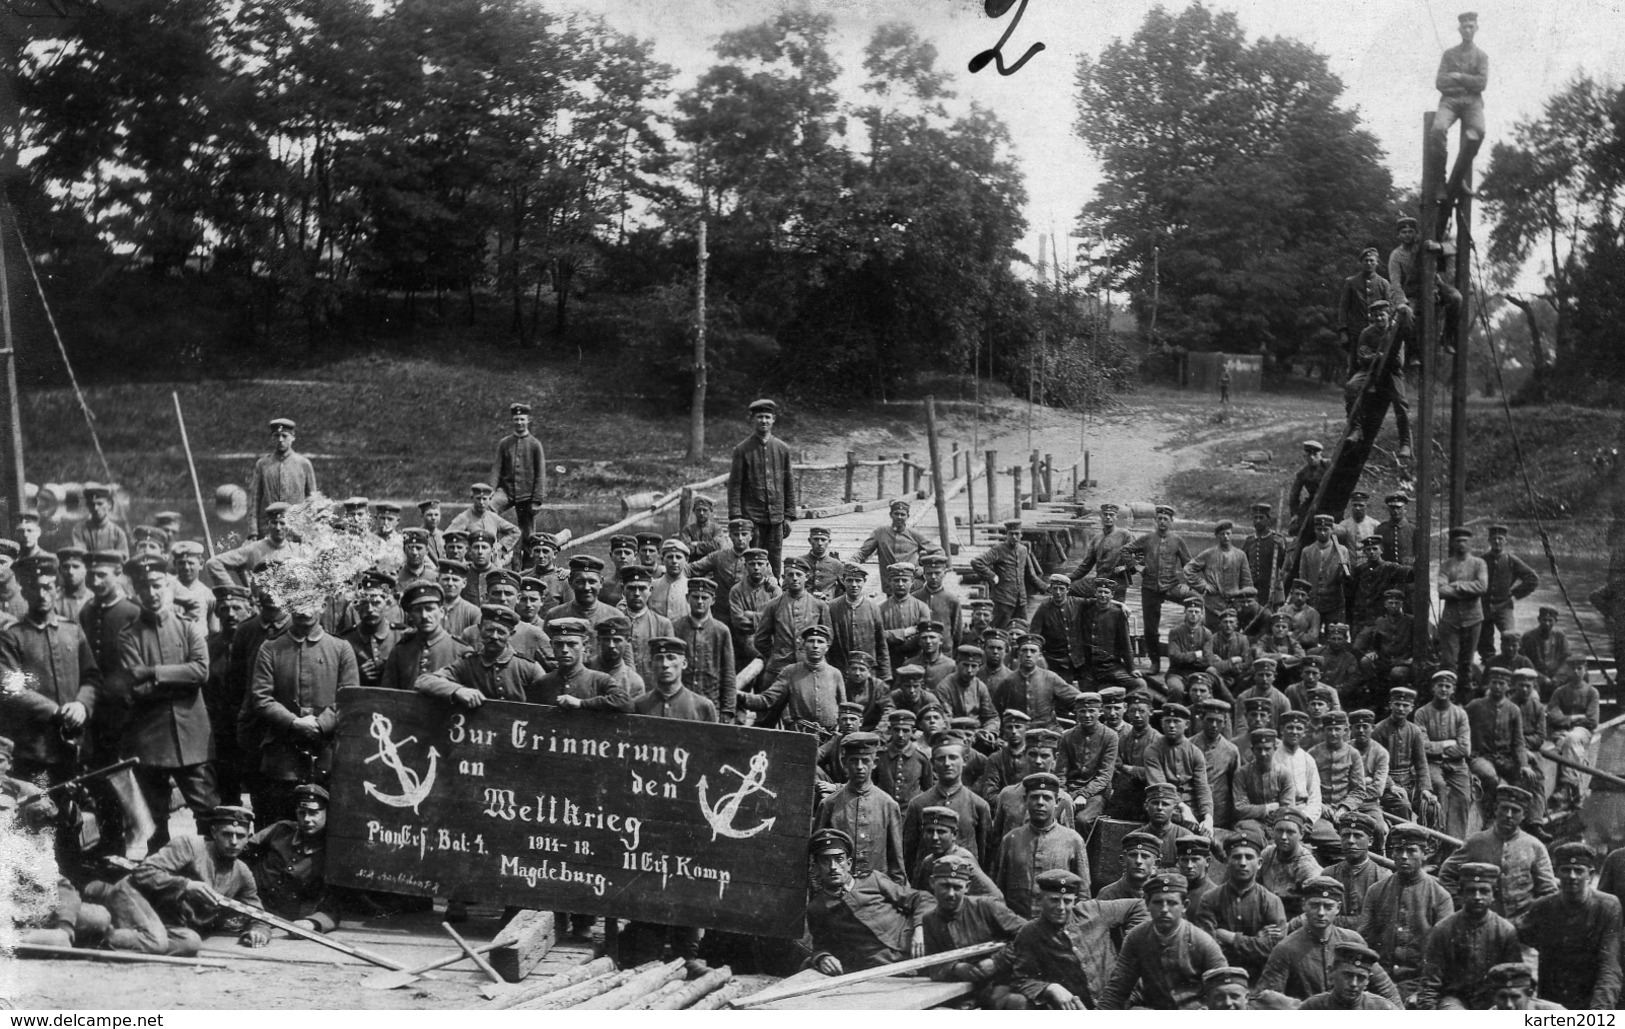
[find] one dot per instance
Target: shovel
(406, 977)
(497, 985)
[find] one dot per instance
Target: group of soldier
(1256, 791)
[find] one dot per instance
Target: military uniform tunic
(1168, 970)
(1300, 966)
(1579, 948)
(1026, 852)
(875, 823)
(1460, 951)
(1078, 956)
(1398, 916)
(1245, 911)
(867, 925)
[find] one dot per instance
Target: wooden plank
(893, 993)
(679, 823)
(534, 935)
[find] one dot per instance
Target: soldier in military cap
(871, 818)
(166, 904)
(1305, 482)
(1386, 646)
(429, 647)
(1357, 831)
(855, 618)
(1173, 759)
(1448, 744)
(1164, 821)
(586, 580)
(481, 516)
(948, 754)
(1359, 526)
(859, 921)
(709, 668)
(1344, 786)
(572, 684)
(61, 681)
(761, 484)
(1009, 800)
(1187, 648)
(1036, 846)
(1242, 916)
(1287, 862)
(703, 534)
(981, 618)
(963, 918)
(415, 564)
(614, 658)
(1576, 933)
(1496, 727)
(1060, 622)
(1323, 564)
(945, 605)
(901, 614)
(825, 567)
(1109, 555)
(1141, 854)
(163, 663)
(281, 476)
(1163, 555)
(637, 584)
(493, 670)
(1400, 911)
(482, 561)
(1064, 957)
(458, 614)
(726, 565)
(1463, 947)
(1512, 987)
(541, 550)
(234, 605)
(521, 469)
(387, 528)
(871, 695)
(293, 701)
(355, 520)
(149, 540)
(896, 543)
(648, 546)
(1164, 958)
(1191, 857)
(98, 531)
(373, 636)
(1219, 573)
(807, 691)
(1086, 758)
(785, 617)
(1225, 989)
(904, 767)
(429, 522)
(1301, 965)
(1352, 968)
(964, 694)
(73, 582)
(1011, 574)
(668, 696)
(289, 863)
(928, 653)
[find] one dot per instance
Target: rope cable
(90, 419)
(1523, 468)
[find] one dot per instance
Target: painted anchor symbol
(721, 815)
(413, 788)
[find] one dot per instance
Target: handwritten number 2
(997, 9)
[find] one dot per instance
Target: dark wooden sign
(665, 821)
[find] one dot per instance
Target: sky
(1384, 51)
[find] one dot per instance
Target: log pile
(599, 986)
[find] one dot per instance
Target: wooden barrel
(1106, 851)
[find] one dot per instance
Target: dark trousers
(770, 537)
(1151, 602)
(196, 783)
(524, 516)
(1003, 615)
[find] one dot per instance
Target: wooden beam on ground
(118, 957)
(825, 984)
(564, 980)
(633, 989)
(533, 934)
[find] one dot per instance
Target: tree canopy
(1237, 192)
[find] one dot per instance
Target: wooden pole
(1049, 475)
(633, 988)
(953, 472)
(12, 477)
(1436, 834)
(408, 976)
(947, 957)
(685, 506)
(851, 494)
(880, 481)
(992, 480)
(1595, 773)
(572, 995)
(197, 491)
(710, 981)
(970, 501)
(944, 533)
(41, 950)
(1422, 584)
(908, 465)
(579, 974)
(1015, 479)
(1458, 383)
(696, 403)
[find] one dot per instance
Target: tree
(1236, 191)
(1557, 187)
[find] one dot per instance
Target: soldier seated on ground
(168, 902)
(1352, 965)
(960, 919)
(1512, 984)
(289, 863)
(858, 922)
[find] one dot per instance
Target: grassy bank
(427, 425)
(1569, 452)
